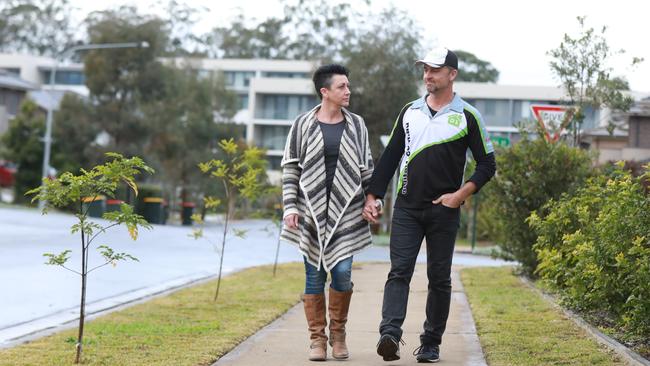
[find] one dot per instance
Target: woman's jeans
(341, 277)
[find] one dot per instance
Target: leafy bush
(594, 246)
(22, 144)
(529, 174)
(485, 216)
(488, 224)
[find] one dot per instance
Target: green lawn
(184, 328)
(516, 326)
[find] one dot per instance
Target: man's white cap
(439, 57)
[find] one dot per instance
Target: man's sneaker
(388, 347)
(427, 353)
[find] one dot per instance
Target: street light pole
(47, 139)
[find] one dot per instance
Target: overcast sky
(513, 35)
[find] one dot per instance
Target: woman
(327, 166)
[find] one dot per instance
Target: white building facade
(273, 92)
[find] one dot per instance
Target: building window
(495, 112)
(64, 77)
(11, 70)
(238, 79)
(11, 99)
(243, 101)
(274, 162)
(271, 106)
(204, 74)
(290, 75)
(507, 113)
(271, 137)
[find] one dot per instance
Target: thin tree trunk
(277, 252)
(223, 240)
(82, 307)
(223, 247)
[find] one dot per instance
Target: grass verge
(516, 326)
(184, 328)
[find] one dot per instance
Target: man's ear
(453, 74)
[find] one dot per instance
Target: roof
(472, 90)
(641, 108)
(11, 81)
(602, 131)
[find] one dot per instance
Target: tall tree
(581, 65)
(382, 74)
(320, 30)
(184, 132)
(308, 30)
(180, 19)
(43, 27)
(472, 68)
(75, 135)
(120, 80)
(239, 40)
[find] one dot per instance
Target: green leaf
(57, 259)
(112, 257)
(240, 233)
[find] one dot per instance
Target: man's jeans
(341, 277)
(438, 224)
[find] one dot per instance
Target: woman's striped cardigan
(327, 232)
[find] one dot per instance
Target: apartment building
(273, 92)
(13, 90)
(37, 69)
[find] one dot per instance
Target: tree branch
(69, 269)
(101, 231)
(100, 266)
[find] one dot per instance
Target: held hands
(372, 209)
(291, 221)
(450, 200)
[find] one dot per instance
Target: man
(327, 167)
(430, 138)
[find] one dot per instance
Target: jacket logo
(454, 120)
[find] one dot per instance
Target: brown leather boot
(338, 309)
(316, 321)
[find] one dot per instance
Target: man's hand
(450, 200)
(291, 221)
(454, 200)
(370, 210)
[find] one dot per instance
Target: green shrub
(487, 220)
(484, 217)
(529, 174)
(22, 144)
(594, 246)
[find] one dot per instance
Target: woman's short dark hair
(323, 76)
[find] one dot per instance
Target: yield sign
(552, 118)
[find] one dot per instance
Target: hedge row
(594, 246)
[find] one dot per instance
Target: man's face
(437, 79)
(339, 91)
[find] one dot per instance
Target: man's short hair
(323, 76)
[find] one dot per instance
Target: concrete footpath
(285, 341)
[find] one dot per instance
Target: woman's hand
(291, 221)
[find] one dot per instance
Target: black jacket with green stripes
(431, 151)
